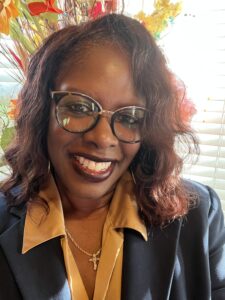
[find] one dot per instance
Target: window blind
(9, 87)
(209, 122)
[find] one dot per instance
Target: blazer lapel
(39, 273)
(148, 266)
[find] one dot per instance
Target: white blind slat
(208, 150)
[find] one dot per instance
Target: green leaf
(2, 162)
(6, 137)
(18, 35)
(51, 17)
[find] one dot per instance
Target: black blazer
(184, 261)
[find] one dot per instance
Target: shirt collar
(123, 210)
(45, 218)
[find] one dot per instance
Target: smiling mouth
(93, 166)
(93, 170)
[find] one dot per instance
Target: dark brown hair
(161, 196)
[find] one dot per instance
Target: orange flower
(7, 10)
(188, 110)
(13, 109)
(187, 106)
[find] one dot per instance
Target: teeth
(81, 160)
(93, 165)
(85, 163)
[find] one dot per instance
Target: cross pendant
(94, 260)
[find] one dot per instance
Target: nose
(101, 136)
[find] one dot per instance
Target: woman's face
(88, 165)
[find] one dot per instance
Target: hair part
(161, 195)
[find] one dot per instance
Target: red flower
(37, 8)
(96, 11)
(16, 58)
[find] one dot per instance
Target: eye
(78, 107)
(128, 120)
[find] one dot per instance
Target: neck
(84, 208)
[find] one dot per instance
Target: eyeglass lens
(78, 113)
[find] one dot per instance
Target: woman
(95, 207)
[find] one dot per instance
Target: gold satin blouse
(41, 226)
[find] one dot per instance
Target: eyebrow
(95, 98)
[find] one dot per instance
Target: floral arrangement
(27, 23)
(163, 15)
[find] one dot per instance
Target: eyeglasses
(79, 113)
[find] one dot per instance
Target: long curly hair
(161, 195)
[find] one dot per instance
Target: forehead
(88, 56)
(102, 72)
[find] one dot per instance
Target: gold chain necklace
(94, 257)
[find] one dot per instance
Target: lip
(92, 157)
(92, 176)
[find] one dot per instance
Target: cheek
(130, 150)
(54, 136)
(52, 129)
(57, 138)
(58, 141)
